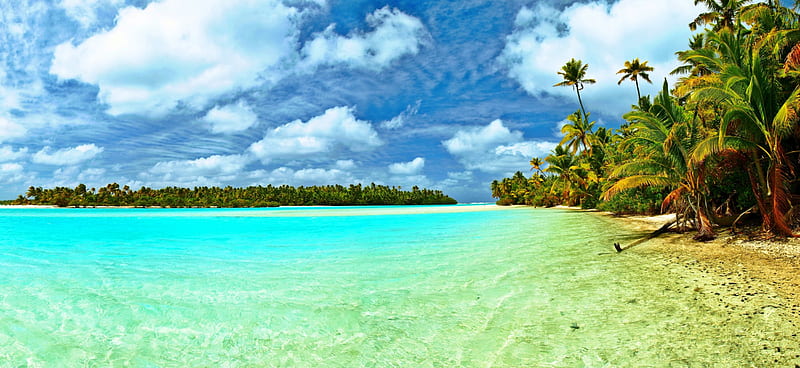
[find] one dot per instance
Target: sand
(772, 264)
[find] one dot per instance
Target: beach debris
(652, 235)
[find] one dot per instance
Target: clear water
(354, 287)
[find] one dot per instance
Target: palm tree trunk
(779, 197)
(639, 95)
(580, 102)
(766, 222)
(705, 231)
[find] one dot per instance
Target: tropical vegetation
(718, 147)
(253, 196)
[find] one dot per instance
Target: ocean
(439, 286)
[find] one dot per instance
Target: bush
(636, 201)
(505, 201)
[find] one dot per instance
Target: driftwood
(652, 235)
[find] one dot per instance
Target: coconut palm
(633, 70)
(574, 74)
(663, 146)
(536, 164)
(577, 132)
(721, 14)
(572, 175)
(760, 112)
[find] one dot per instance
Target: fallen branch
(652, 235)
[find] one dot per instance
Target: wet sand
(746, 279)
(773, 262)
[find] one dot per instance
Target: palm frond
(637, 181)
(787, 116)
(672, 197)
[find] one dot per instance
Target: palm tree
(536, 164)
(574, 73)
(577, 132)
(569, 170)
(633, 70)
(495, 187)
(721, 14)
(760, 112)
(663, 145)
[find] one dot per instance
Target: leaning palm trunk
(778, 196)
(705, 231)
(772, 196)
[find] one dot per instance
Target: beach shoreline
(772, 264)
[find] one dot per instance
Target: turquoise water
(362, 287)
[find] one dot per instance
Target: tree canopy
(253, 196)
(721, 144)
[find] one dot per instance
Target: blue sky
(441, 94)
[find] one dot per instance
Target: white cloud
(191, 51)
(400, 120)
(12, 172)
(181, 50)
(21, 54)
(337, 127)
(345, 164)
(206, 166)
(412, 167)
(7, 153)
(395, 34)
(409, 181)
(85, 11)
(308, 176)
(461, 176)
(92, 175)
(10, 130)
(494, 148)
(231, 118)
(602, 36)
(10, 168)
(67, 156)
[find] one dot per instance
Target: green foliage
(724, 141)
(646, 201)
(254, 196)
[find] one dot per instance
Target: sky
(442, 94)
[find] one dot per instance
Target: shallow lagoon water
(365, 287)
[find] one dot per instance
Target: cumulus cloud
(494, 148)
(181, 50)
(10, 130)
(395, 34)
(345, 164)
(12, 172)
(601, 35)
(336, 128)
(231, 118)
(10, 167)
(412, 167)
(92, 175)
(191, 51)
(205, 166)
(307, 176)
(67, 156)
(7, 153)
(85, 11)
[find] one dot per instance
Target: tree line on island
(721, 144)
(253, 196)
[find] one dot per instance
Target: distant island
(230, 197)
